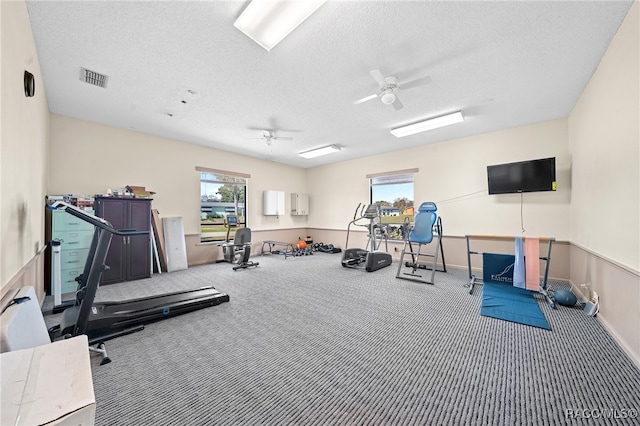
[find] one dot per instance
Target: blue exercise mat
(509, 303)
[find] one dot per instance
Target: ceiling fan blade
(365, 99)
(418, 82)
(397, 104)
(378, 77)
(283, 138)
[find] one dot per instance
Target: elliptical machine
(372, 257)
(237, 251)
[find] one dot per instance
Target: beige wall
(88, 158)
(604, 138)
(618, 289)
(453, 175)
(24, 148)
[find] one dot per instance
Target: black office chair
(239, 251)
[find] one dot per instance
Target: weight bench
(288, 248)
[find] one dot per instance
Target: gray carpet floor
(304, 341)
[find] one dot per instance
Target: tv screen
(524, 176)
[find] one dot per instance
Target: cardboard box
(48, 385)
(139, 191)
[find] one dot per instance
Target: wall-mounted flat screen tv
(524, 176)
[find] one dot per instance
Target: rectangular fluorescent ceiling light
(320, 151)
(267, 22)
(428, 124)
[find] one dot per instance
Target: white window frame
(215, 221)
(394, 220)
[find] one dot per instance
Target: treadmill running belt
(108, 318)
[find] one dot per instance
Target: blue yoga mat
(509, 303)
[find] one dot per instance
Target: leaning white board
(175, 244)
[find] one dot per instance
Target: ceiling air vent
(93, 77)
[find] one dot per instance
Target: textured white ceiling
(505, 64)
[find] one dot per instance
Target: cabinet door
(139, 246)
(303, 203)
(115, 211)
(273, 203)
(299, 204)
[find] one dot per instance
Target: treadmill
(102, 321)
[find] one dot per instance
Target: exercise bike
(237, 251)
(371, 257)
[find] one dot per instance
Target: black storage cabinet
(129, 257)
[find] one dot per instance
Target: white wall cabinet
(273, 203)
(299, 204)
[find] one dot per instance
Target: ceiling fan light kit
(269, 136)
(268, 22)
(317, 152)
(428, 124)
(388, 87)
(388, 97)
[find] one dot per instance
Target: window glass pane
(221, 196)
(394, 194)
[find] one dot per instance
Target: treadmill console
(371, 212)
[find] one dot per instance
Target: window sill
(210, 243)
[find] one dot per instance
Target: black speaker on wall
(29, 84)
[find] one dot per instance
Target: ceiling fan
(388, 87)
(269, 136)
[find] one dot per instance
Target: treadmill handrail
(95, 220)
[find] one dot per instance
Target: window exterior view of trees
(220, 196)
(394, 195)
